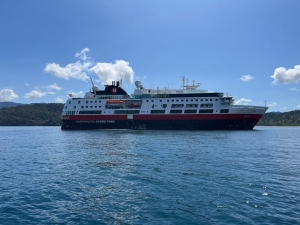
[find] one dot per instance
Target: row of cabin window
(86, 102)
(85, 106)
(189, 111)
(164, 106)
(152, 111)
(191, 105)
(177, 100)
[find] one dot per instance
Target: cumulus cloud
(272, 104)
(108, 72)
(75, 70)
(58, 100)
(286, 76)
(53, 87)
(246, 78)
(7, 95)
(82, 55)
(242, 101)
(35, 94)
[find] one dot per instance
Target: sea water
(50, 176)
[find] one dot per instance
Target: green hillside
(39, 114)
(291, 118)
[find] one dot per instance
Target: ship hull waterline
(237, 122)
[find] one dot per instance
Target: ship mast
(189, 87)
(93, 85)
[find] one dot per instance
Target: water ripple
(149, 177)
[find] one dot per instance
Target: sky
(248, 49)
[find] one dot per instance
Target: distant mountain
(276, 112)
(9, 104)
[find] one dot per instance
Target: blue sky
(248, 49)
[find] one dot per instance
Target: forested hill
(39, 114)
(291, 118)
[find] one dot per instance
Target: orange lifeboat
(115, 102)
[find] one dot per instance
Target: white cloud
(38, 93)
(35, 94)
(75, 70)
(298, 106)
(58, 100)
(77, 95)
(27, 84)
(246, 78)
(272, 104)
(7, 95)
(242, 101)
(283, 76)
(82, 55)
(52, 87)
(108, 72)
(294, 89)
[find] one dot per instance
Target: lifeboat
(132, 105)
(115, 102)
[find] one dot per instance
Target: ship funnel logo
(114, 90)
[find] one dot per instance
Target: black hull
(162, 125)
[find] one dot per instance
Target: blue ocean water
(50, 176)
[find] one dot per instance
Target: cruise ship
(188, 108)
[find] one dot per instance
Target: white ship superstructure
(185, 108)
